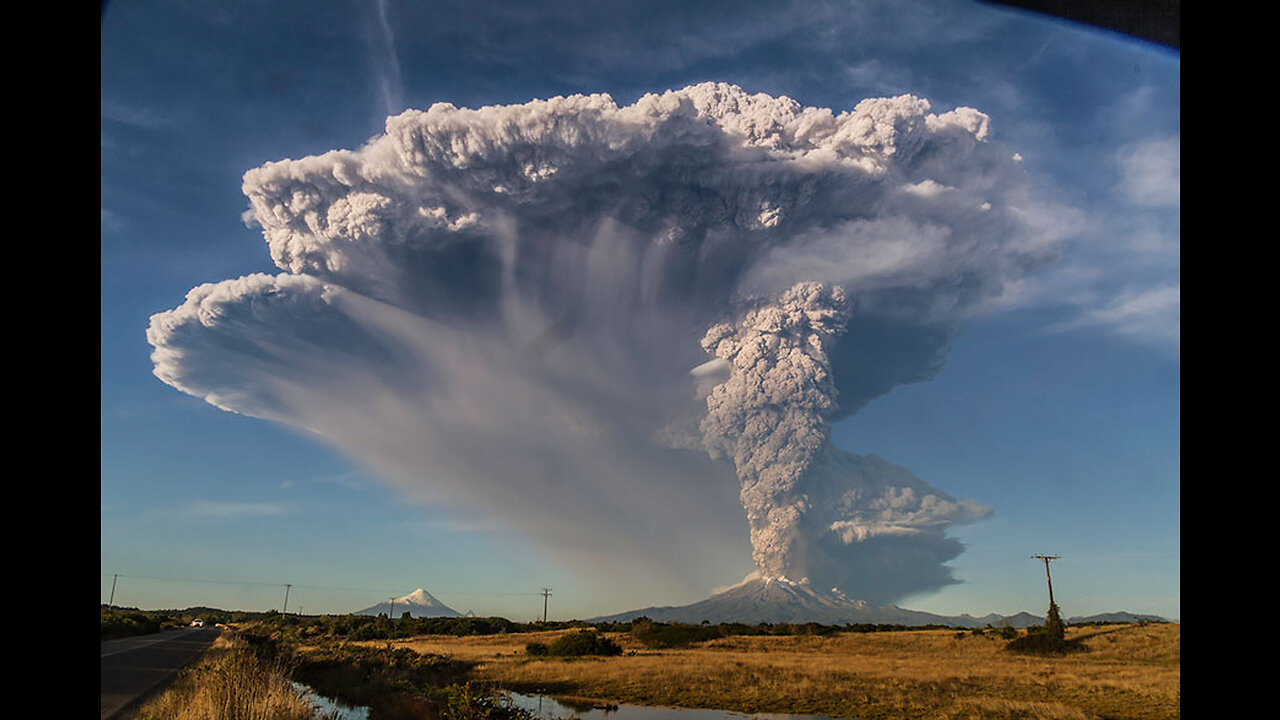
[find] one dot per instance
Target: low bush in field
(1048, 639)
(672, 635)
(581, 643)
(1039, 641)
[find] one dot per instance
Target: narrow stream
(549, 709)
(332, 709)
(546, 708)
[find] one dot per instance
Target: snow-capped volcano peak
(418, 603)
(784, 580)
(419, 597)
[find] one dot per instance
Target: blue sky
(1058, 406)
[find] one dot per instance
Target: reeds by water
(231, 683)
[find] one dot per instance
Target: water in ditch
(547, 708)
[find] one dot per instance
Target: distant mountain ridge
(778, 600)
(418, 603)
(1115, 617)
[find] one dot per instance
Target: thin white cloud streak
(225, 509)
(350, 481)
(136, 116)
(1150, 316)
(1121, 261)
(465, 526)
(498, 310)
(386, 61)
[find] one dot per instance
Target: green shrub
(467, 702)
(673, 635)
(127, 623)
(1044, 640)
(536, 649)
(1053, 623)
(583, 642)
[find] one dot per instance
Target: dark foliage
(1038, 642)
(127, 623)
(394, 683)
(672, 635)
(317, 628)
(473, 702)
(1053, 624)
(1047, 639)
(582, 643)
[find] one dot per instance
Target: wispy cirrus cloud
(134, 115)
(227, 509)
(1120, 271)
(386, 61)
(1151, 316)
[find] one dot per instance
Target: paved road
(134, 667)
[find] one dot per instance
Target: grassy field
(1125, 671)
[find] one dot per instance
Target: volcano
(418, 603)
(779, 600)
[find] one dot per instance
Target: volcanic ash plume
(497, 310)
(812, 507)
(770, 416)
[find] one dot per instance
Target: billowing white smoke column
(500, 308)
(770, 416)
(811, 507)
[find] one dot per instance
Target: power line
(194, 580)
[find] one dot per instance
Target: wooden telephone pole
(1046, 559)
(1053, 620)
(546, 593)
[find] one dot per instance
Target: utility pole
(391, 608)
(1046, 559)
(546, 593)
(112, 601)
(1053, 619)
(285, 609)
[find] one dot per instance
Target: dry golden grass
(229, 683)
(1127, 671)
